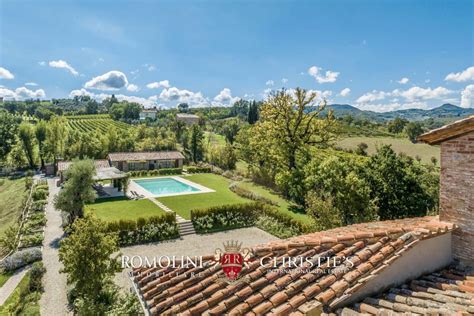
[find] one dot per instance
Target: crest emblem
(232, 260)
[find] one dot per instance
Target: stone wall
(457, 193)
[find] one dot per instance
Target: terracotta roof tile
(445, 292)
(370, 246)
(151, 155)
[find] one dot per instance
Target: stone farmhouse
(408, 266)
(189, 119)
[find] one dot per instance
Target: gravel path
(54, 298)
(11, 284)
(192, 245)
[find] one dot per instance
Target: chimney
(456, 202)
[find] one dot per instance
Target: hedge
(20, 259)
(156, 172)
(234, 187)
(258, 214)
(194, 169)
(144, 230)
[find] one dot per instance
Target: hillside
(446, 113)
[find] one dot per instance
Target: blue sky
(213, 52)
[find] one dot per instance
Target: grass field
(114, 209)
(283, 205)
(424, 151)
(12, 193)
(183, 204)
(213, 139)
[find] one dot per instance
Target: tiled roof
(184, 115)
(371, 247)
(99, 164)
(449, 291)
(449, 131)
(152, 155)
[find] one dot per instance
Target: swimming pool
(169, 186)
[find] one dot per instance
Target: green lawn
(213, 139)
(4, 278)
(183, 204)
(424, 151)
(12, 193)
(113, 209)
(283, 205)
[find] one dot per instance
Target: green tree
(240, 109)
(361, 149)
(87, 257)
(196, 143)
(56, 134)
(92, 106)
(231, 128)
(397, 125)
(8, 131)
(252, 117)
(401, 186)
(183, 108)
(40, 132)
(77, 190)
(26, 135)
(340, 180)
(413, 130)
(9, 239)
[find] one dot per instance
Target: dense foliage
(77, 190)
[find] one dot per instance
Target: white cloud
(174, 94)
(467, 97)
(404, 80)
(269, 83)
(284, 80)
(372, 96)
(345, 92)
(225, 98)
(156, 85)
(150, 102)
(329, 76)
(151, 68)
(394, 106)
(132, 87)
(64, 65)
(32, 84)
(5, 74)
(22, 93)
(416, 93)
(42, 63)
(465, 75)
(112, 80)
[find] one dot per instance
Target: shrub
(2, 181)
(32, 240)
(20, 259)
(38, 206)
(144, 230)
(194, 169)
(36, 274)
(248, 214)
(234, 187)
(225, 217)
(40, 194)
(41, 187)
(276, 228)
(166, 171)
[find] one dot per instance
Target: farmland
(424, 151)
(91, 123)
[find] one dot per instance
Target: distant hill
(446, 112)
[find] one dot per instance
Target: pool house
(128, 161)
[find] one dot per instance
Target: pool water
(165, 186)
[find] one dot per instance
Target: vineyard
(91, 123)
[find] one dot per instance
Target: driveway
(192, 245)
(54, 298)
